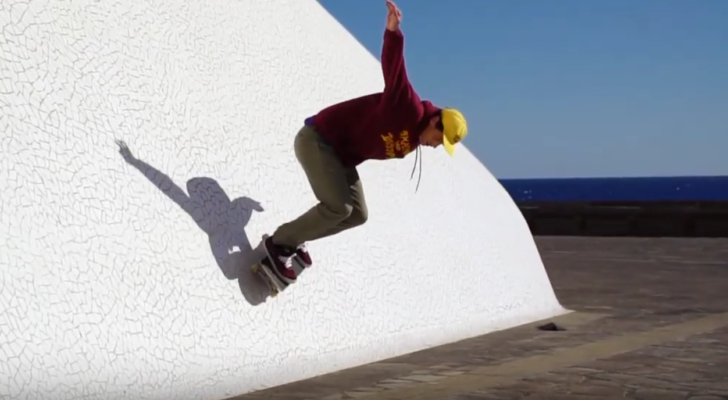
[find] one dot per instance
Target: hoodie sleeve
(398, 92)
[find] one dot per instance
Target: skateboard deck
(263, 269)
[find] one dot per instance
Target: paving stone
(424, 378)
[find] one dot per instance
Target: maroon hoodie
(380, 125)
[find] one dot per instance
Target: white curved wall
(130, 280)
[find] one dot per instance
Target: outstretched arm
(163, 182)
(397, 87)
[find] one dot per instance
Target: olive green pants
(339, 191)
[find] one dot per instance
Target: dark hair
(439, 125)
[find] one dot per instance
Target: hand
(124, 151)
(394, 16)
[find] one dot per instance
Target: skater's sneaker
(281, 258)
(302, 256)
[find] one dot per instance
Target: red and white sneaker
(281, 258)
(303, 257)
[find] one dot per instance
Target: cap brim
(449, 147)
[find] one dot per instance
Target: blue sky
(569, 88)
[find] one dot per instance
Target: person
(332, 143)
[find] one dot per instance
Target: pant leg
(328, 179)
(359, 213)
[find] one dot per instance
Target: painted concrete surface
(147, 146)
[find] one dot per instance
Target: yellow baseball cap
(455, 128)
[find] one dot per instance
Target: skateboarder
(331, 144)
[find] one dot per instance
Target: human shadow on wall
(222, 220)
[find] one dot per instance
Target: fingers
(393, 9)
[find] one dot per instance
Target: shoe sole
(300, 263)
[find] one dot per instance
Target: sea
(647, 189)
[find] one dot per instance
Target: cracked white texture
(128, 278)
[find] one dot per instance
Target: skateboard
(263, 269)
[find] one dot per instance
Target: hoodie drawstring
(417, 157)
